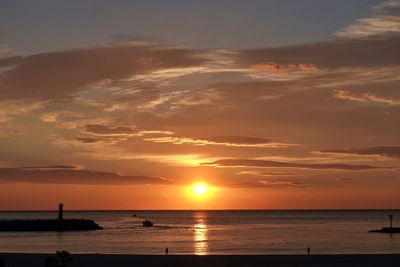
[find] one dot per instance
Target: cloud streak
(102, 130)
(4, 48)
(73, 175)
(267, 174)
(278, 164)
(232, 141)
(270, 184)
(386, 151)
(386, 19)
(60, 75)
(366, 98)
(331, 54)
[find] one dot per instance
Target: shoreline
(125, 260)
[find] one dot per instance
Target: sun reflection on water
(200, 237)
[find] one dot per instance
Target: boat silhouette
(147, 223)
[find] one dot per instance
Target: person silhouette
(166, 251)
(308, 250)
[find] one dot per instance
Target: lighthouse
(60, 211)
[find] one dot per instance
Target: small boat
(147, 223)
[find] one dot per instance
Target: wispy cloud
(98, 129)
(386, 19)
(366, 98)
(4, 48)
(274, 71)
(386, 151)
(276, 183)
(267, 174)
(10, 109)
(278, 164)
(387, 4)
(284, 183)
(72, 175)
(233, 141)
(103, 130)
(273, 67)
(61, 115)
(331, 54)
(85, 140)
(370, 26)
(70, 72)
(191, 160)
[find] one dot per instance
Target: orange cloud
(385, 151)
(233, 141)
(289, 68)
(102, 130)
(278, 164)
(366, 98)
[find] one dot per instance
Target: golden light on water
(200, 236)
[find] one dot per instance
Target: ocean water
(212, 232)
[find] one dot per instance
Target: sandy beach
(103, 260)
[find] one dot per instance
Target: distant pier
(60, 224)
(388, 230)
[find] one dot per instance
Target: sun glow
(200, 190)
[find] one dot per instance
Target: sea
(212, 232)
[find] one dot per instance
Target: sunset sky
(127, 104)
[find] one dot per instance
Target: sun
(200, 189)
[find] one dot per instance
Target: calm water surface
(213, 232)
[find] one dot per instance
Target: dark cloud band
(71, 175)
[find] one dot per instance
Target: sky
(128, 104)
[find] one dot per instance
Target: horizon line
(138, 210)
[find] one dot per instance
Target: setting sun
(200, 189)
